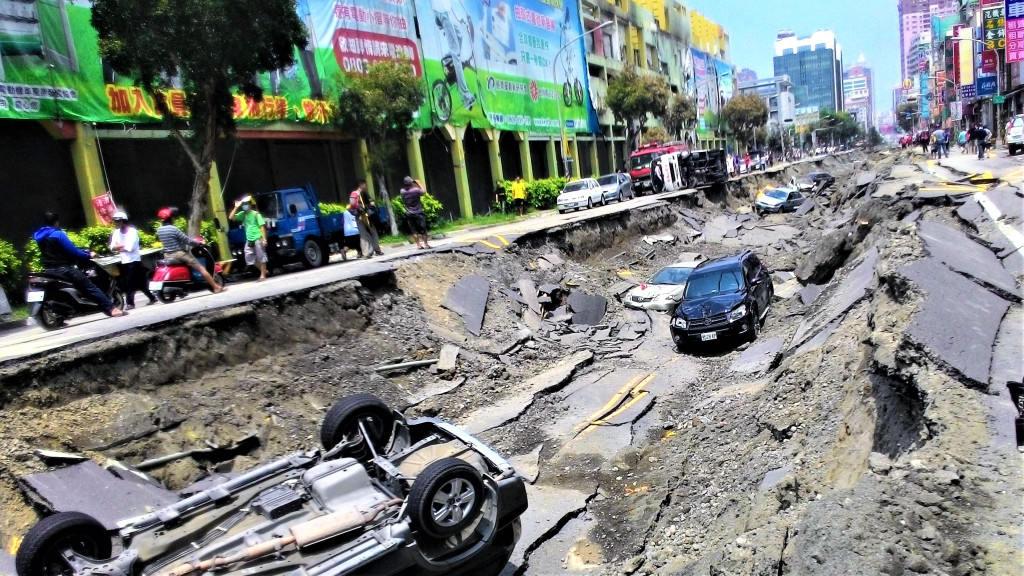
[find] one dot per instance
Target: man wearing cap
(125, 242)
(176, 244)
(362, 205)
(59, 257)
(412, 196)
(255, 233)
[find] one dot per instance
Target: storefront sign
(1015, 30)
(993, 24)
(987, 86)
(989, 62)
(968, 91)
(105, 208)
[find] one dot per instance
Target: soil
(855, 454)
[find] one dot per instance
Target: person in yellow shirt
(519, 195)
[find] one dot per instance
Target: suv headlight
(679, 322)
(737, 313)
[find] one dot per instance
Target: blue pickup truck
(297, 231)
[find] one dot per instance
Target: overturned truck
(693, 169)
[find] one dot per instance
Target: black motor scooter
(54, 299)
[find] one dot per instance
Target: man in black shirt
(412, 194)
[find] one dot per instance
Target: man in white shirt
(125, 242)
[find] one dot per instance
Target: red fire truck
(640, 163)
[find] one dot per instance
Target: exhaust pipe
(309, 532)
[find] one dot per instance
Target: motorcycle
(54, 299)
(172, 280)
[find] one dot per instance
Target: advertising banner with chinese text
(1014, 30)
(711, 86)
(509, 64)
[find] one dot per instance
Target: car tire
(342, 421)
(445, 498)
(561, 211)
(755, 324)
(622, 197)
(590, 203)
(313, 254)
(40, 551)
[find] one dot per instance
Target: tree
(656, 134)
(631, 97)
(743, 114)
(906, 116)
(874, 137)
(212, 47)
(840, 126)
(681, 115)
(378, 106)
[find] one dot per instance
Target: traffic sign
(999, 99)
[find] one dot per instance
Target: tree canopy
(632, 96)
(906, 116)
(656, 134)
(680, 115)
(206, 48)
(743, 114)
(842, 126)
(379, 106)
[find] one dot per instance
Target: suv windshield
(712, 283)
(642, 160)
(670, 275)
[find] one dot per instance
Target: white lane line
(1015, 237)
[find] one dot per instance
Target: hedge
(432, 209)
(540, 194)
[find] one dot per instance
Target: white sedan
(664, 290)
(582, 193)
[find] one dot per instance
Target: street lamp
(554, 80)
(1000, 81)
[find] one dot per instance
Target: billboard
(711, 86)
(508, 64)
(1014, 30)
(492, 63)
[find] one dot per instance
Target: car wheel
(561, 211)
(166, 296)
(622, 197)
(341, 424)
(590, 203)
(41, 552)
(445, 498)
(755, 324)
(312, 254)
(49, 317)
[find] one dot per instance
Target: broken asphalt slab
(92, 490)
(551, 508)
(858, 284)
(758, 357)
(587, 310)
(958, 321)
(528, 465)
(509, 407)
(865, 178)
(965, 256)
(468, 298)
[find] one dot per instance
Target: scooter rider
(176, 243)
(59, 256)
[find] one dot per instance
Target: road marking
(623, 399)
(502, 239)
(1015, 237)
(490, 244)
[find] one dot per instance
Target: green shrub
(328, 208)
(540, 194)
(207, 231)
(10, 270)
(31, 257)
(432, 209)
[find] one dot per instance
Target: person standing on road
(657, 177)
(350, 226)
(980, 136)
(176, 247)
(519, 195)
(255, 228)
(961, 139)
(132, 277)
(412, 196)
(59, 256)
(364, 205)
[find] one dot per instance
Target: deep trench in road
(850, 438)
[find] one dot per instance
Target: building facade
(859, 93)
(815, 66)
(915, 17)
(777, 93)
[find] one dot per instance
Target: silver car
(385, 496)
(616, 187)
(664, 290)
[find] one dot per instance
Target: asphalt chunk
(468, 298)
(961, 254)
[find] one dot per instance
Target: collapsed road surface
(867, 431)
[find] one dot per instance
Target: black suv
(724, 297)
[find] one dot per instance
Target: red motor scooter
(172, 279)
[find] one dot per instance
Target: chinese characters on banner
(105, 208)
(1015, 30)
(994, 26)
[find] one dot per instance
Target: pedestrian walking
(922, 140)
(124, 241)
(980, 136)
(961, 139)
(364, 207)
(350, 226)
(519, 195)
(412, 196)
(255, 227)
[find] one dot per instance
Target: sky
(868, 27)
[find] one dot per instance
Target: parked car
(384, 496)
(582, 193)
(1015, 134)
(774, 200)
(616, 187)
(725, 297)
(814, 183)
(664, 290)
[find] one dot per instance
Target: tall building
(815, 66)
(915, 18)
(746, 76)
(859, 93)
(777, 93)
